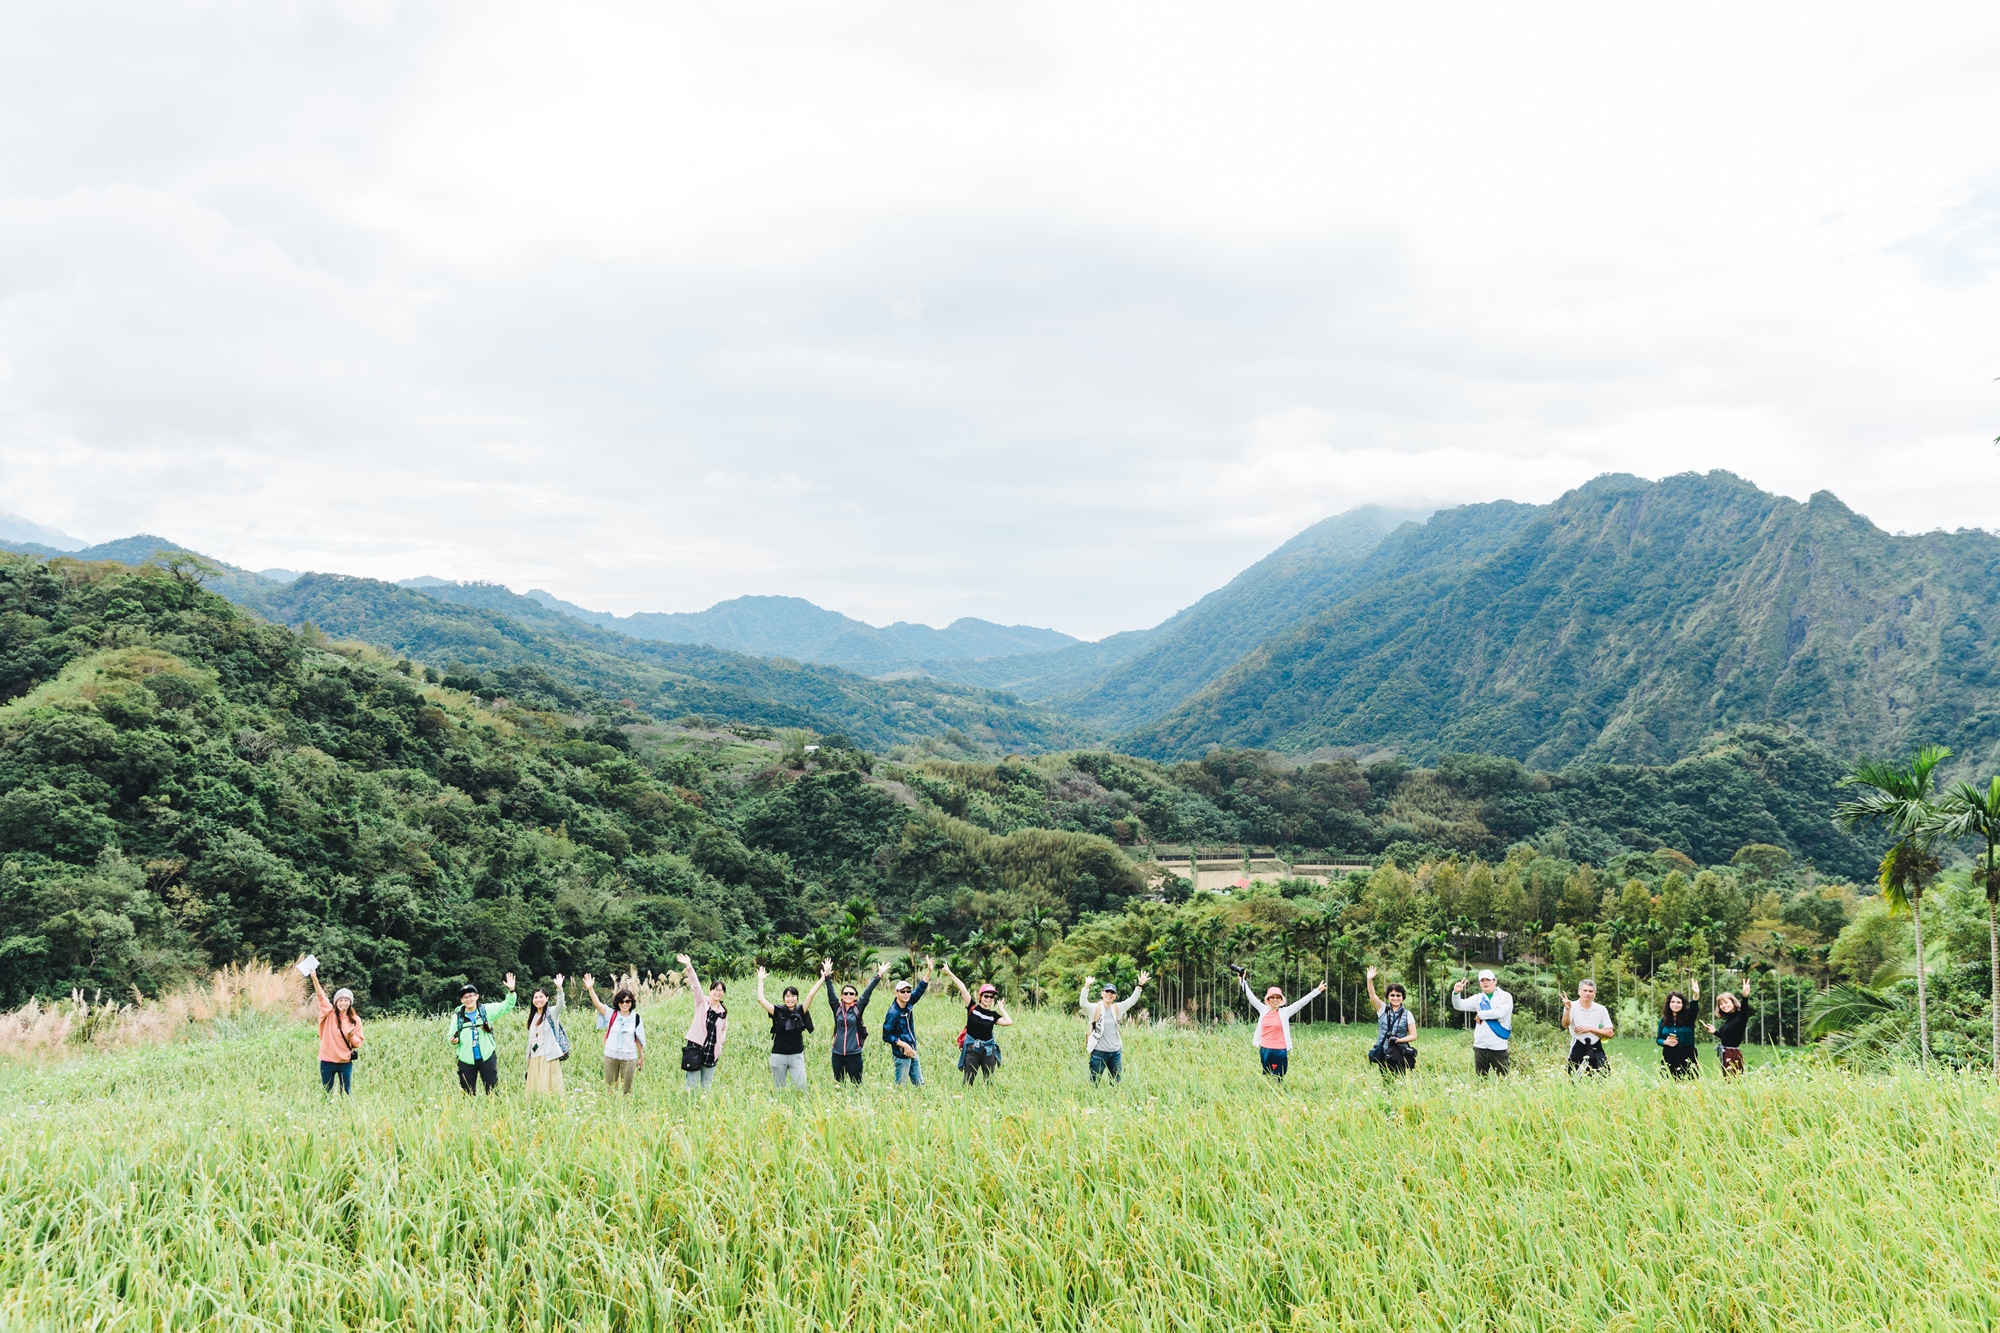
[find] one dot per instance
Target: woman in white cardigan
(1274, 1023)
(547, 1042)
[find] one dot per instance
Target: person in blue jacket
(899, 1027)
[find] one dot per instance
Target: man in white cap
(1494, 1025)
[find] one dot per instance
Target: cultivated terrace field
(207, 1183)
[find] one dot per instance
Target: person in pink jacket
(1274, 1023)
(707, 1032)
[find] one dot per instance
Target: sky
(1052, 314)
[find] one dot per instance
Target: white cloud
(1047, 313)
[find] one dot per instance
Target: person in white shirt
(1589, 1025)
(624, 1034)
(1494, 1025)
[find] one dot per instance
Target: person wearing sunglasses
(1104, 1045)
(1274, 1022)
(978, 1052)
(850, 1022)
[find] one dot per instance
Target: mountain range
(1624, 622)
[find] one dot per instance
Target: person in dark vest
(850, 1022)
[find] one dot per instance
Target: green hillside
(1629, 620)
(183, 785)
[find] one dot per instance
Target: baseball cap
(1486, 974)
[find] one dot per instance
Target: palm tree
(1968, 812)
(1898, 800)
(912, 928)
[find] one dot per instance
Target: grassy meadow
(210, 1185)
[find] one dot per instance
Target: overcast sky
(1057, 314)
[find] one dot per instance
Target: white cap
(1486, 974)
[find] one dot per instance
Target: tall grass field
(209, 1185)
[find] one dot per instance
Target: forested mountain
(795, 628)
(1129, 679)
(1627, 621)
(660, 680)
(183, 785)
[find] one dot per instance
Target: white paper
(308, 965)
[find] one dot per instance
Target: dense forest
(183, 785)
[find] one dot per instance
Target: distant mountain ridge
(794, 627)
(1627, 621)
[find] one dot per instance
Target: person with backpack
(339, 1037)
(1103, 1044)
(978, 1052)
(1589, 1026)
(624, 1034)
(790, 1021)
(548, 1043)
(1395, 1048)
(1676, 1036)
(850, 1022)
(899, 1027)
(469, 1031)
(1494, 1026)
(1273, 1029)
(1735, 1024)
(706, 1032)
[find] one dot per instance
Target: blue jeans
(916, 1071)
(340, 1069)
(1273, 1060)
(1111, 1060)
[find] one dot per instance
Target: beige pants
(620, 1071)
(544, 1077)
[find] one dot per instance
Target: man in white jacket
(1494, 1025)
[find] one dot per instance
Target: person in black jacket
(850, 1022)
(1734, 1013)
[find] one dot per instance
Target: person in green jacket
(470, 1029)
(1676, 1036)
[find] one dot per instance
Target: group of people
(470, 1032)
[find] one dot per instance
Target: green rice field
(210, 1185)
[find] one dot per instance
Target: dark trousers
(1113, 1061)
(976, 1064)
(1486, 1062)
(846, 1067)
(1732, 1059)
(1274, 1061)
(1589, 1056)
(1682, 1062)
(329, 1070)
(485, 1071)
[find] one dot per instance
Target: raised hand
(826, 968)
(683, 960)
(1087, 981)
(763, 972)
(1145, 977)
(1458, 987)
(590, 983)
(559, 981)
(510, 981)
(1371, 974)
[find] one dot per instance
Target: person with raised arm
(706, 1032)
(790, 1021)
(469, 1031)
(1676, 1035)
(339, 1037)
(899, 1027)
(1589, 1026)
(1104, 1044)
(1494, 1026)
(1729, 1035)
(1395, 1048)
(624, 1034)
(850, 1022)
(1273, 1029)
(978, 1052)
(548, 1043)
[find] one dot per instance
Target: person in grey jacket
(1105, 1046)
